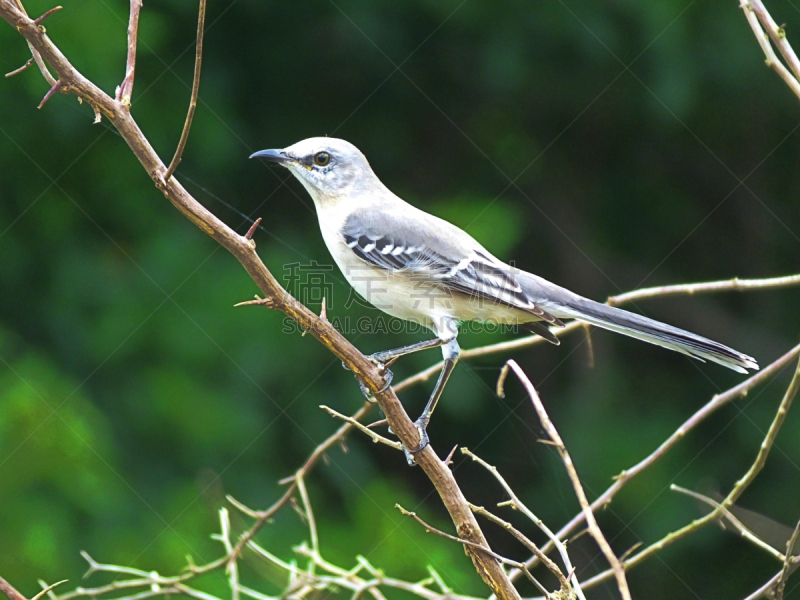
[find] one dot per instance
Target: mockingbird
(418, 267)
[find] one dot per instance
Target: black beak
(278, 156)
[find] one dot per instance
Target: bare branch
(517, 504)
(125, 89)
(772, 59)
(225, 537)
(690, 289)
(788, 561)
(27, 64)
(769, 440)
(198, 60)
(550, 428)
(502, 559)
(244, 251)
(533, 548)
(691, 423)
(48, 589)
(10, 591)
(777, 35)
(731, 498)
(364, 429)
(731, 519)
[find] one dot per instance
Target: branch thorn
(53, 90)
(44, 16)
(268, 302)
(252, 230)
(449, 460)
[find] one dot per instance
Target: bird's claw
(387, 376)
(421, 424)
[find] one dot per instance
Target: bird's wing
(431, 250)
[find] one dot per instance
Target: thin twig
(787, 562)
(309, 513)
(48, 588)
(550, 428)
(225, 537)
(730, 518)
(772, 59)
(517, 504)
(689, 289)
(198, 59)
(739, 488)
(125, 89)
(27, 64)
(777, 35)
(502, 559)
(691, 423)
(768, 589)
(363, 428)
(533, 548)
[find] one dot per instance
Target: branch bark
(244, 250)
(10, 591)
(552, 432)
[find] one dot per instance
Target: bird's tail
(654, 332)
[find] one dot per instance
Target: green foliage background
(600, 145)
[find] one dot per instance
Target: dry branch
(692, 422)
(756, 14)
(198, 61)
(738, 489)
(244, 250)
(10, 591)
(117, 111)
(125, 89)
(550, 428)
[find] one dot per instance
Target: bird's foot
(379, 359)
(422, 427)
(387, 378)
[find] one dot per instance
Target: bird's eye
(322, 158)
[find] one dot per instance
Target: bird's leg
(450, 352)
(384, 358)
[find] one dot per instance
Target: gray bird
(418, 267)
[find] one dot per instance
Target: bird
(418, 267)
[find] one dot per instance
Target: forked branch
(244, 250)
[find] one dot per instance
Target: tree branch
(550, 428)
(198, 60)
(517, 504)
(738, 489)
(244, 251)
(754, 11)
(10, 591)
(125, 89)
(692, 422)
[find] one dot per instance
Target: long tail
(654, 332)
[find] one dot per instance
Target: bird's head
(328, 168)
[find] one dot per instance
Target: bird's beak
(278, 156)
